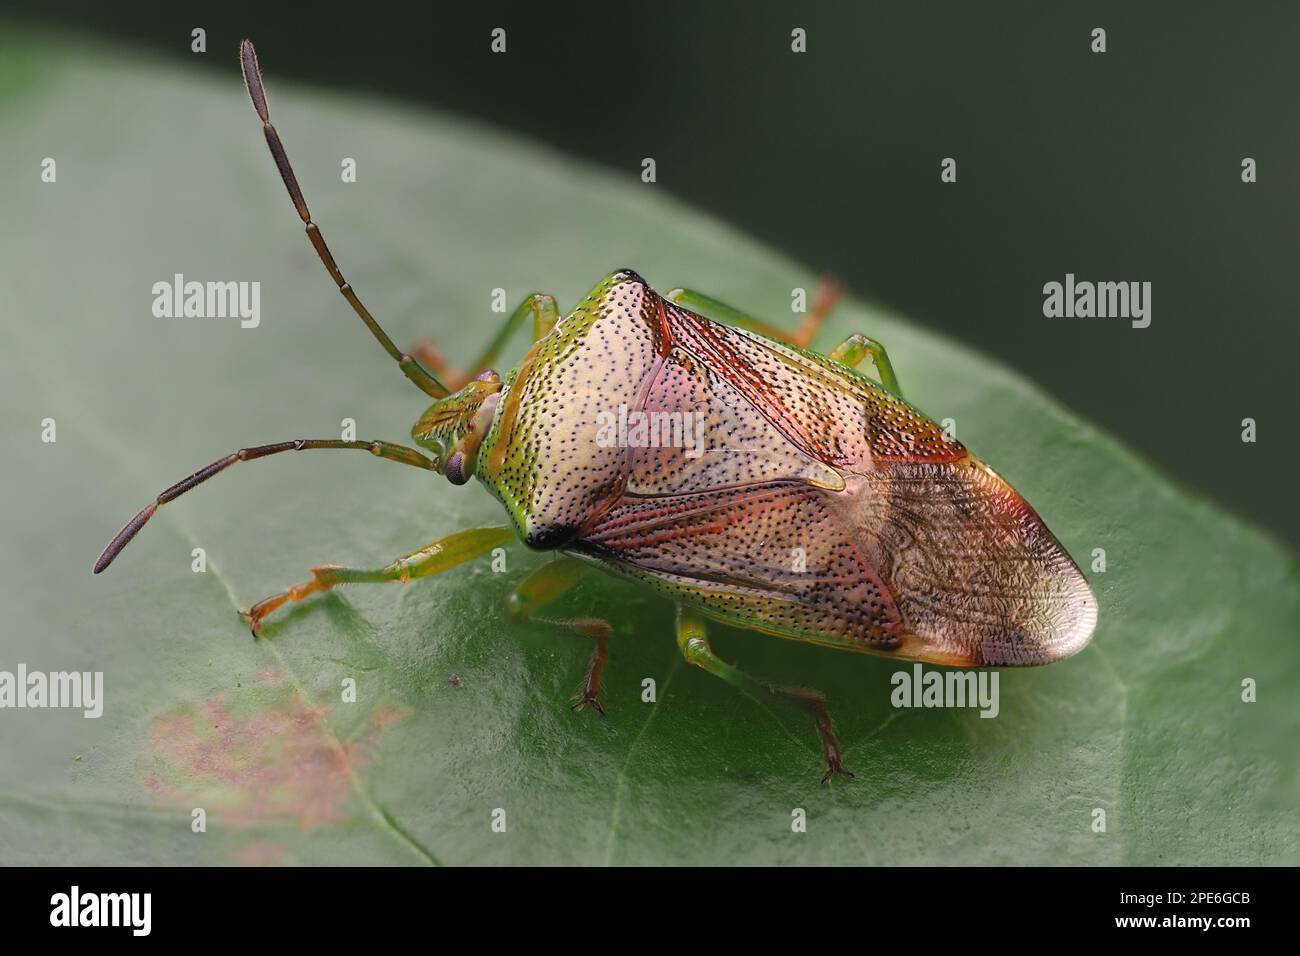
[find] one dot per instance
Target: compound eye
(455, 469)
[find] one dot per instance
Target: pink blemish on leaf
(385, 717)
(271, 757)
(262, 853)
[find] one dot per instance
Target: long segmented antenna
(381, 449)
(411, 366)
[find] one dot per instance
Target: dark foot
(830, 746)
(836, 769)
(254, 623)
(586, 700)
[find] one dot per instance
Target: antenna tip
(123, 537)
(252, 77)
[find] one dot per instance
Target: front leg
(443, 554)
(541, 308)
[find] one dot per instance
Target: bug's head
(454, 427)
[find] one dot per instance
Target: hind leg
(857, 348)
(693, 642)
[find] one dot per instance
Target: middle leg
(545, 585)
(825, 296)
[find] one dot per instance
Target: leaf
(460, 710)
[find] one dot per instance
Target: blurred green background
(1122, 166)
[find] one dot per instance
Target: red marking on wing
(827, 412)
(664, 333)
(715, 350)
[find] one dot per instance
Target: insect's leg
(540, 307)
(541, 588)
(857, 347)
(410, 366)
(825, 296)
(693, 642)
(380, 449)
(443, 554)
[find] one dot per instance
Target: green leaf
(460, 711)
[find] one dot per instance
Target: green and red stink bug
(817, 504)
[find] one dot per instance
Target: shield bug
(677, 441)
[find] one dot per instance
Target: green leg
(541, 588)
(540, 307)
(853, 350)
(824, 299)
(443, 554)
(693, 642)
